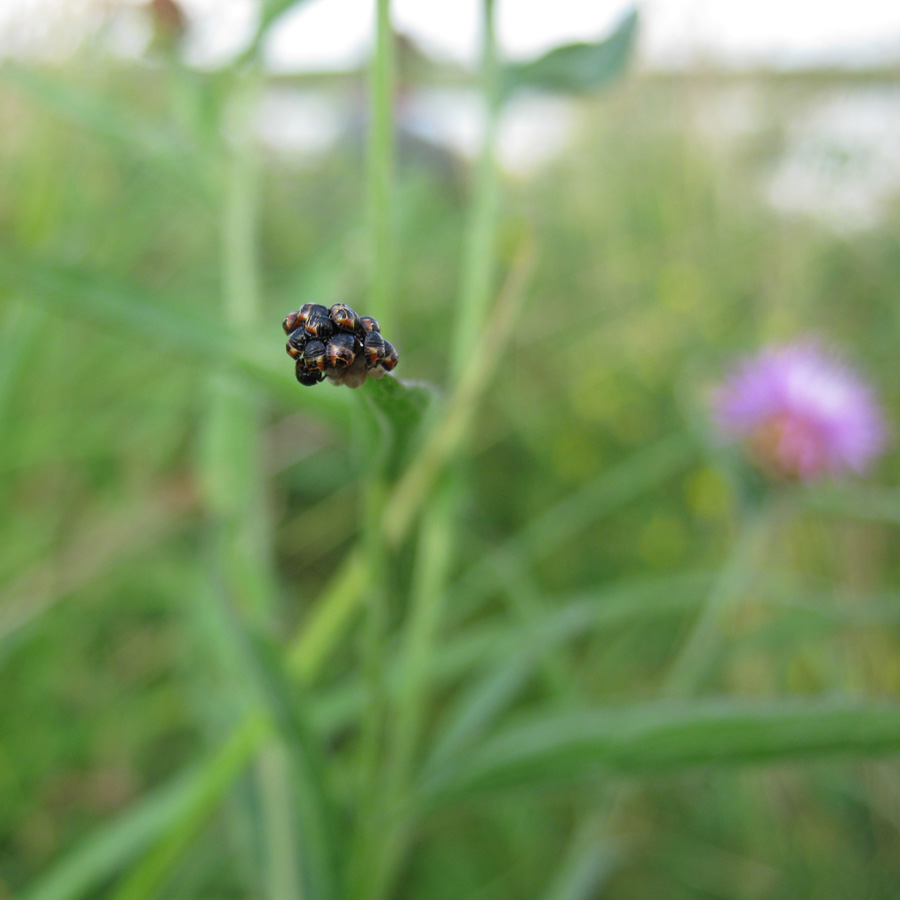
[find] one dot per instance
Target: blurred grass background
(593, 519)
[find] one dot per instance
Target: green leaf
(118, 306)
(114, 122)
(549, 749)
(400, 409)
(577, 68)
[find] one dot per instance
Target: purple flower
(801, 413)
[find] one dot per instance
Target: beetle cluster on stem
(337, 344)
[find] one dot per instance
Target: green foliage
(578, 746)
(577, 68)
(262, 641)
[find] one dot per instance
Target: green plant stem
(381, 170)
(216, 777)
(448, 433)
(375, 553)
(241, 565)
(427, 596)
(478, 264)
(418, 488)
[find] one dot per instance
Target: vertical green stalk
(478, 263)
(435, 547)
(427, 594)
(374, 549)
(241, 559)
(381, 169)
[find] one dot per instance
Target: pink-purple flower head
(801, 413)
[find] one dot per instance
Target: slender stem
(381, 170)
(241, 562)
(375, 553)
(478, 264)
(395, 827)
(448, 433)
(427, 595)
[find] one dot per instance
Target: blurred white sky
(787, 32)
(333, 33)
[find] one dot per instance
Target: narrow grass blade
(270, 11)
(329, 619)
(872, 503)
(21, 330)
(117, 306)
(114, 122)
(549, 749)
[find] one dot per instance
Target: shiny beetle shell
(368, 324)
(298, 317)
(344, 317)
(305, 376)
(291, 321)
(337, 344)
(390, 356)
(320, 327)
(308, 310)
(374, 348)
(296, 343)
(315, 356)
(342, 349)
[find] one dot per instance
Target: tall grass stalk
(427, 594)
(364, 846)
(381, 170)
(479, 262)
(242, 567)
(427, 484)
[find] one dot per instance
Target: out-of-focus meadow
(200, 698)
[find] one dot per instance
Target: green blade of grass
(270, 12)
(118, 306)
(242, 589)
(550, 749)
(114, 122)
(870, 503)
(21, 330)
(479, 265)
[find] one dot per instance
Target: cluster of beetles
(336, 344)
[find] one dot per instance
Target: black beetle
(345, 318)
(296, 343)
